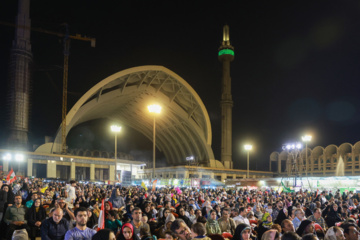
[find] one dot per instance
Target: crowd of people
(31, 209)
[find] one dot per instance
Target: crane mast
(67, 38)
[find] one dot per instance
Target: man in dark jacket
(55, 228)
(3, 200)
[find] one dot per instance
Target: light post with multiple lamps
(154, 109)
(115, 129)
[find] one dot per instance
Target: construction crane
(66, 37)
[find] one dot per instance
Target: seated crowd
(56, 211)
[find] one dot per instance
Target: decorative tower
(226, 55)
(19, 79)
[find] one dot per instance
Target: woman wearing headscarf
(129, 208)
(333, 216)
(104, 234)
(108, 207)
(34, 216)
(92, 219)
(127, 233)
(283, 214)
(116, 199)
(212, 225)
(166, 227)
(165, 212)
(243, 232)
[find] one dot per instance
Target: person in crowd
(104, 234)
(333, 216)
(92, 219)
(127, 233)
(212, 225)
(226, 223)
(136, 222)
(242, 217)
(108, 207)
(29, 203)
(198, 231)
(3, 199)
(276, 210)
(166, 226)
(70, 193)
(242, 232)
(169, 235)
(265, 224)
(192, 215)
(55, 227)
(80, 231)
(317, 218)
(129, 207)
(112, 222)
(15, 217)
(60, 203)
(271, 234)
(299, 216)
(290, 236)
(35, 216)
(287, 226)
(182, 215)
(181, 230)
(305, 227)
(351, 231)
(334, 233)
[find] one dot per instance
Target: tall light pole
(116, 129)
(154, 109)
(248, 147)
(306, 139)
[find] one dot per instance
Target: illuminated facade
(321, 161)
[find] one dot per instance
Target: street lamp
(306, 139)
(154, 109)
(116, 129)
(248, 147)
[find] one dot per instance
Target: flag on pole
(101, 222)
(11, 177)
(44, 189)
(144, 186)
(154, 185)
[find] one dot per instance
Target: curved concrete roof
(183, 127)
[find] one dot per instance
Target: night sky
(296, 67)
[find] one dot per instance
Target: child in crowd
(112, 222)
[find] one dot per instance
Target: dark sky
(296, 68)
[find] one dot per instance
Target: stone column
(101, 174)
(29, 167)
(72, 171)
(51, 169)
(112, 172)
(279, 165)
(92, 172)
(5, 166)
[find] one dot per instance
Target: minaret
(19, 79)
(226, 55)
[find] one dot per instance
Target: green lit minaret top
(226, 48)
